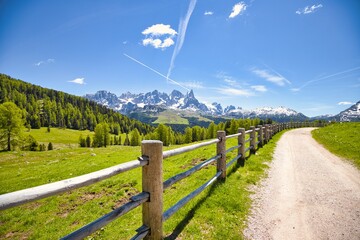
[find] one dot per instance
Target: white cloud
(309, 9)
(259, 88)
(208, 13)
(345, 103)
(230, 81)
(159, 30)
(78, 81)
(193, 85)
(159, 36)
(50, 60)
(271, 77)
(295, 89)
(235, 91)
(238, 8)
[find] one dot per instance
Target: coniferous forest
(44, 107)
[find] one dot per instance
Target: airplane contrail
(157, 72)
(326, 77)
(181, 37)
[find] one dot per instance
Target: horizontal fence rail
(13, 199)
(151, 197)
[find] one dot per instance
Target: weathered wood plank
(232, 161)
(171, 211)
(221, 150)
(181, 150)
(233, 148)
(152, 182)
(106, 219)
(13, 199)
(187, 173)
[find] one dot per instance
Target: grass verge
(218, 213)
(342, 139)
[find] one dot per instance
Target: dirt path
(309, 194)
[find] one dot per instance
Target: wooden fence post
(261, 137)
(152, 182)
(266, 133)
(221, 149)
(241, 150)
(253, 140)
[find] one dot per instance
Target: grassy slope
(170, 117)
(217, 213)
(342, 139)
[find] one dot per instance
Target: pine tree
(50, 146)
(135, 138)
(11, 124)
(88, 141)
(127, 141)
(188, 135)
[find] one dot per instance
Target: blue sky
(300, 54)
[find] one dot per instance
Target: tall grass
(342, 139)
(217, 213)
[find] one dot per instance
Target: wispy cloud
(345, 103)
(235, 92)
(259, 88)
(208, 13)
(271, 76)
(50, 60)
(229, 80)
(325, 77)
(181, 36)
(238, 9)
(309, 9)
(78, 81)
(159, 36)
(232, 86)
(157, 72)
(193, 85)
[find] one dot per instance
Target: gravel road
(309, 194)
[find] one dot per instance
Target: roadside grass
(342, 139)
(217, 213)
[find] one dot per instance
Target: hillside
(46, 107)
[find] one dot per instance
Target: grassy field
(342, 139)
(217, 213)
(170, 117)
(61, 138)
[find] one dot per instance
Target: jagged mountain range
(155, 102)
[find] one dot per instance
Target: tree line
(44, 107)
(102, 137)
(24, 104)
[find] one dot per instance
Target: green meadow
(342, 139)
(217, 213)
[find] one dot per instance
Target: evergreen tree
(211, 131)
(102, 135)
(11, 124)
(127, 141)
(135, 138)
(188, 135)
(50, 146)
(82, 141)
(88, 141)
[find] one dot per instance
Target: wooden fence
(151, 197)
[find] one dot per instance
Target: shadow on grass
(189, 216)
